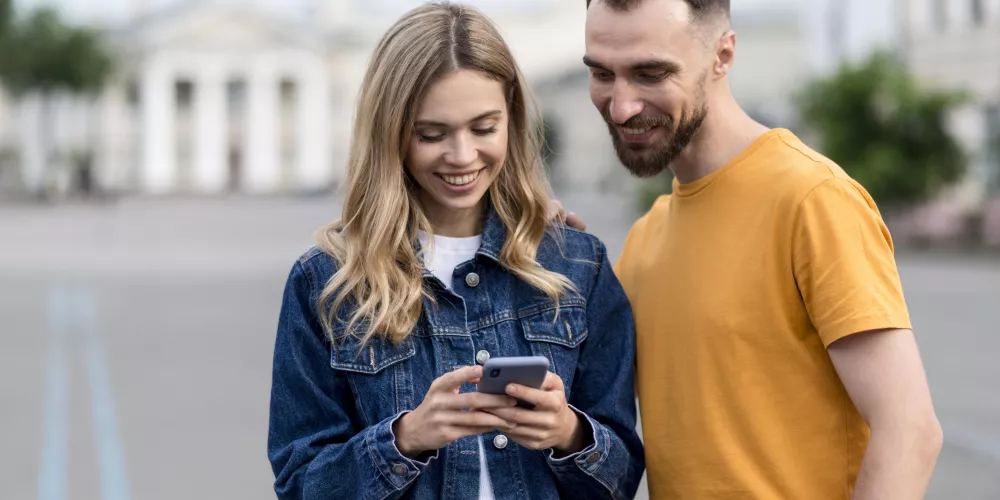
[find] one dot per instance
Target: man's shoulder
(796, 169)
(640, 230)
(656, 212)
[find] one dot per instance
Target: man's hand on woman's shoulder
(557, 212)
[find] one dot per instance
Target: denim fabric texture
(333, 405)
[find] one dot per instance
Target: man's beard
(649, 160)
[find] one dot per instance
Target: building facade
(216, 96)
(228, 100)
(213, 96)
(955, 44)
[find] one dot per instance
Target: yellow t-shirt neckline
(694, 187)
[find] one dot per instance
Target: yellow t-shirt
(738, 282)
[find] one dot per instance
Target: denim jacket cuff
(590, 457)
(396, 468)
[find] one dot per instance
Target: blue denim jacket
(332, 410)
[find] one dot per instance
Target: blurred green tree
(875, 121)
(41, 54)
(6, 13)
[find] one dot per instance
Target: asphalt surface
(136, 338)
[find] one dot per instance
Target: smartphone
(528, 371)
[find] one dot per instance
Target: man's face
(648, 74)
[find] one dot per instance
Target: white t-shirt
(448, 253)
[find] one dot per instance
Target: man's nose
(624, 103)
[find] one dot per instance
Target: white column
(314, 133)
(263, 171)
(111, 161)
(914, 19)
(210, 127)
(158, 171)
(968, 123)
(32, 158)
(958, 18)
(4, 116)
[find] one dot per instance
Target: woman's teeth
(461, 180)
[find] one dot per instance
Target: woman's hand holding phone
(445, 415)
(551, 424)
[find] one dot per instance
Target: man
(775, 355)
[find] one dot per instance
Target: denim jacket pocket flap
(374, 357)
(568, 329)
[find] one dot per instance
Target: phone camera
(495, 372)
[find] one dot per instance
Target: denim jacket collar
(494, 237)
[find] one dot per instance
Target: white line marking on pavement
(114, 482)
(55, 440)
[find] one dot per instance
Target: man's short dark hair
(700, 9)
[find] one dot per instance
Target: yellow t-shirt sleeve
(844, 264)
(623, 263)
(623, 267)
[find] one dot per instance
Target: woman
(444, 257)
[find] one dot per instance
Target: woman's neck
(456, 223)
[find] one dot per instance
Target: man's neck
(726, 132)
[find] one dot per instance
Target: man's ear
(725, 54)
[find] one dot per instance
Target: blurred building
(773, 58)
(207, 97)
(848, 30)
(955, 44)
(217, 96)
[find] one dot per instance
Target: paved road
(135, 346)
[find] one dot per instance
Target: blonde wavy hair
(379, 271)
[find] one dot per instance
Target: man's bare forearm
(899, 462)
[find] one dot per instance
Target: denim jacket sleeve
(603, 393)
(319, 446)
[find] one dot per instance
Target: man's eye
(601, 75)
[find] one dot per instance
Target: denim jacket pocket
(371, 359)
(568, 329)
(558, 338)
(379, 374)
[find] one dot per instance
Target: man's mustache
(640, 121)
